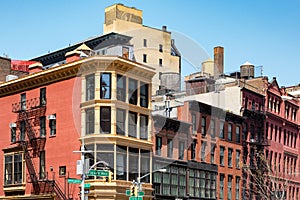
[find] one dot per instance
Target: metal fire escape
(29, 112)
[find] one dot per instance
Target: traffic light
(132, 188)
(109, 178)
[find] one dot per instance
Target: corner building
(46, 115)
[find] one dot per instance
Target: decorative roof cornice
(71, 70)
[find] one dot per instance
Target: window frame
(90, 87)
(89, 121)
(144, 94)
(105, 121)
(121, 87)
(121, 123)
(132, 124)
(144, 127)
(105, 89)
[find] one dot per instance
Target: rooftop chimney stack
(218, 60)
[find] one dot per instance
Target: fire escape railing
(35, 144)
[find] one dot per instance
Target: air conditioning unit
(12, 125)
(51, 117)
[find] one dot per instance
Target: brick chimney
(35, 67)
(72, 56)
(218, 60)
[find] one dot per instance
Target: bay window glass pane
(144, 127)
(90, 87)
(144, 95)
(8, 170)
(105, 82)
(89, 121)
(121, 88)
(132, 122)
(121, 118)
(105, 120)
(132, 91)
(133, 163)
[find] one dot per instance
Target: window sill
(52, 136)
(14, 187)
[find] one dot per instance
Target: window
(160, 48)
(144, 58)
(90, 87)
(237, 188)
(89, 121)
(105, 82)
(42, 96)
(212, 154)
(229, 194)
(193, 149)
(125, 52)
(62, 170)
(42, 165)
(229, 157)
(121, 118)
(181, 150)
(145, 42)
(133, 163)
(158, 145)
(222, 150)
(52, 125)
(212, 128)
(194, 122)
(132, 122)
(238, 134)
(170, 148)
(144, 127)
(22, 130)
(13, 134)
(121, 88)
(132, 91)
(23, 101)
(230, 132)
(221, 135)
(237, 158)
(160, 62)
(144, 94)
(221, 186)
(203, 149)
(145, 164)
(121, 162)
(105, 119)
(43, 126)
(13, 169)
(203, 126)
(202, 184)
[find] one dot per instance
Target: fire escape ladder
(30, 168)
(60, 195)
(30, 133)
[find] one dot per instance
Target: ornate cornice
(71, 70)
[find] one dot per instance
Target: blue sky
(265, 33)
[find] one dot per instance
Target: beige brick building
(153, 47)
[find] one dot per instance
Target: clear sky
(263, 32)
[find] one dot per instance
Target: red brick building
(217, 142)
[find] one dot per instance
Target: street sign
(98, 173)
(87, 185)
(141, 193)
(135, 198)
(74, 181)
(127, 192)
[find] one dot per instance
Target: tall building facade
(153, 47)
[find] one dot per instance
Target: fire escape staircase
(33, 108)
